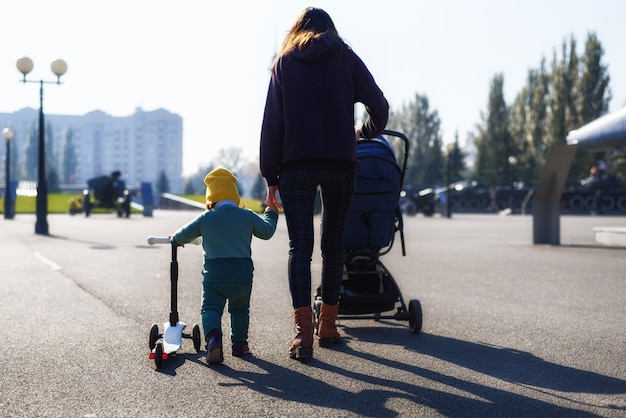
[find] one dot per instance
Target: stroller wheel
(415, 316)
(317, 307)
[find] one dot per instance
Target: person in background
(226, 230)
(308, 140)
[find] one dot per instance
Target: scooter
(165, 345)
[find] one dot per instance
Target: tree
(572, 116)
(15, 173)
(564, 114)
(520, 127)
(229, 158)
(259, 188)
(458, 160)
(31, 165)
(558, 101)
(51, 157)
(69, 158)
(425, 165)
(539, 113)
(163, 184)
(32, 151)
(595, 93)
(494, 142)
(194, 184)
(595, 96)
(552, 104)
(528, 127)
(189, 188)
(53, 180)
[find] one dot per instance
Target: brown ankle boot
(302, 346)
(327, 331)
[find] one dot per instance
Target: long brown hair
(313, 23)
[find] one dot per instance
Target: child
(226, 230)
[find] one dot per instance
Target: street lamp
(9, 212)
(450, 149)
(58, 67)
(512, 161)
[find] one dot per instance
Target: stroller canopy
(371, 223)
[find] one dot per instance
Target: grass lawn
(59, 203)
(254, 204)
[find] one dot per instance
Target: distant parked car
(414, 201)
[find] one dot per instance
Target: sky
(209, 61)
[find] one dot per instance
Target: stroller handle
(152, 240)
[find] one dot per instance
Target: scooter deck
(173, 337)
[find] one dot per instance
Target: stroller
(368, 288)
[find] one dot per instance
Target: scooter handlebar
(158, 240)
(152, 240)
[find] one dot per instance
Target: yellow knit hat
(221, 184)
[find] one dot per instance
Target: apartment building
(142, 146)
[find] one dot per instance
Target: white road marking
(49, 263)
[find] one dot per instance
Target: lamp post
(512, 161)
(9, 213)
(450, 149)
(58, 67)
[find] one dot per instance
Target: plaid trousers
(297, 189)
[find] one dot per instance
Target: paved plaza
(510, 328)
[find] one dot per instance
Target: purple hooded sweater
(309, 112)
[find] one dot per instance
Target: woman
(308, 140)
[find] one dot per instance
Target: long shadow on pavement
(517, 366)
(287, 384)
(507, 364)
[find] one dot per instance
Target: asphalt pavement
(509, 328)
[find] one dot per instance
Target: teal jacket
(227, 232)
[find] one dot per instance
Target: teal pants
(214, 298)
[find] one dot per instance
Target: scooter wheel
(196, 337)
(154, 336)
(158, 355)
